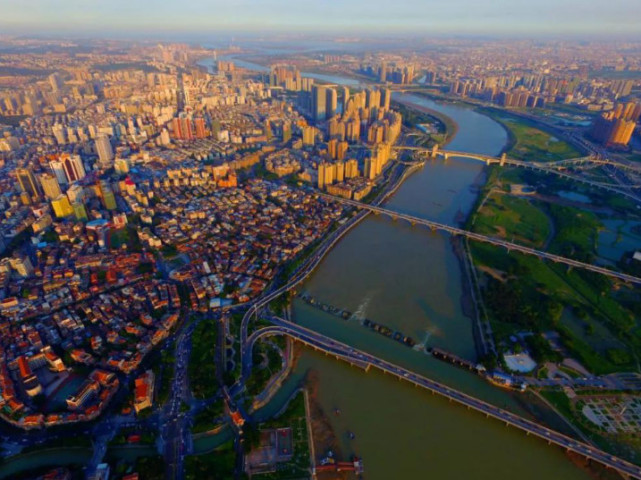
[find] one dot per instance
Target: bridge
(556, 168)
(485, 238)
(366, 361)
(307, 267)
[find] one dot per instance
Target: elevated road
(487, 239)
(555, 168)
(365, 360)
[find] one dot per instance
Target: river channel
(410, 279)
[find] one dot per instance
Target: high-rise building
(345, 98)
(59, 171)
(372, 98)
(287, 132)
(309, 134)
(369, 171)
(182, 128)
(201, 131)
(28, 183)
(107, 195)
(285, 76)
(55, 81)
(104, 150)
(121, 165)
(332, 148)
(326, 174)
(351, 168)
(615, 127)
(80, 211)
(321, 175)
(332, 103)
(73, 167)
(382, 74)
(353, 130)
(340, 171)
(50, 186)
(319, 103)
(22, 265)
(76, 193)
(386, 99)
(341, 150)
(61, 206)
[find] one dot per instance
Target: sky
(342, 17)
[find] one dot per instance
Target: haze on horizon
(339, 17)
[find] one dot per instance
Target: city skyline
(259, 239)
(197, 18)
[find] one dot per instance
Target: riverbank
(325, 438)
(529, 141)
(494, 113)
(451, 127)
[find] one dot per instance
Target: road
(366, 360)
(174, 424)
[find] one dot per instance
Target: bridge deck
(321, 342)
(487, 239)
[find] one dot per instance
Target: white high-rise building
(58, 170)
(104, 150)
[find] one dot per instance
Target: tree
(251, 436)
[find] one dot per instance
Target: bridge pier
(434, 151)
(502, 161)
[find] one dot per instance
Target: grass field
(524, 293)
(514, 219)
(532, 144)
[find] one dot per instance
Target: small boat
(337, 411)
(351, 435)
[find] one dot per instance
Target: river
(209, 63)
(409, 279)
